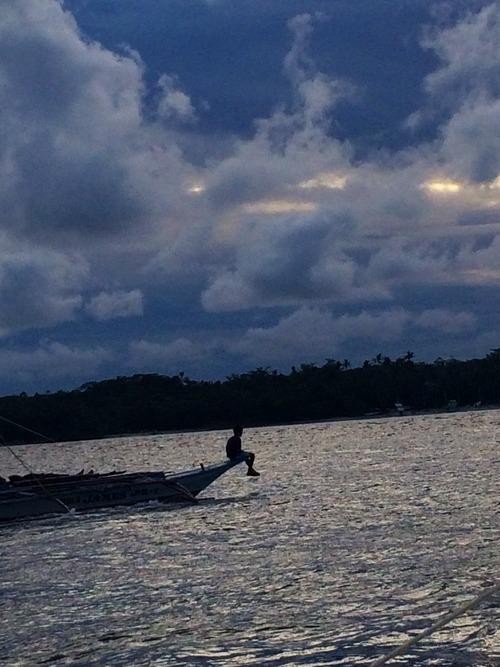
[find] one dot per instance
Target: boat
(36, 495)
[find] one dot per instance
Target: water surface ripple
(358, 535)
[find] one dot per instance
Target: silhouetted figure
(234, 451)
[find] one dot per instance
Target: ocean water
(357, 535)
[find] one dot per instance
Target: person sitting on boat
(234, 451)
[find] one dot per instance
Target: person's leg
(250, 458)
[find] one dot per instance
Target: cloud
(89, 183)
(466, 86)
(313, 333)
(78, 157)
(386, 225)
(471, 143)
(102, 178)
(171, 357)
(98, 168)
(446, 321)
(290, 261)
(174, 105)
(51, 361)
(109, 305)
(306, 334)
(316, 93)
(469, 58)
(38, 288)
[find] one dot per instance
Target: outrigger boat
(39, 494)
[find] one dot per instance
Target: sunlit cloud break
(279, 206)
(442, 187)
(325, 181)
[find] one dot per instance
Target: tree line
(146, 403)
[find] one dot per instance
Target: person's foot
(252, 473)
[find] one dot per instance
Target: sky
(211, 186)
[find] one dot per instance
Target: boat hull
(58, 494)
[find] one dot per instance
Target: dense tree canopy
(153, 403)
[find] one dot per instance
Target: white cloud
(467, 85)
(38, 288)
(316, 333)
(316, 93)
(109, 305)
(174, 104)
(51, 361)
(308, 333)
(79, 158)
(384, 228)
(468, 52)
(89, 186)
(446, 321)
(172, 356)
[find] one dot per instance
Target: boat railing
(85, 480)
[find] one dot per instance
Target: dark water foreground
(357, 535)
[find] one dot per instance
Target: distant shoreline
(366, 417)
(152, 404)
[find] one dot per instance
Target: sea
(357, 536)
